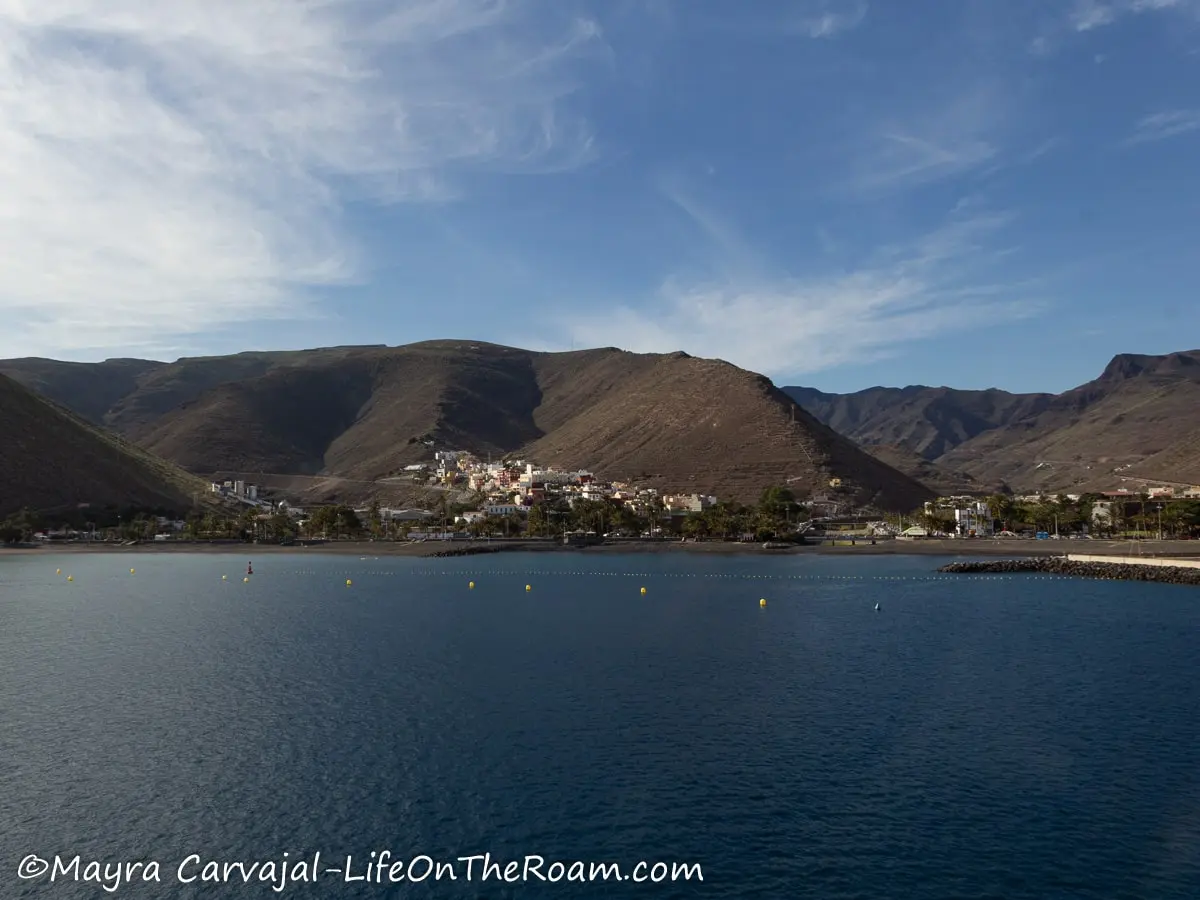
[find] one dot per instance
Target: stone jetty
(476, 549)
(1060, 565)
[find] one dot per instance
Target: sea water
(1006, 737)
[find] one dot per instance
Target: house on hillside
(685, 503)
(594, 491)
(505, 509)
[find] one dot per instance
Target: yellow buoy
(131, 571)
(643, 590)
(224, 577)
(246, 580)
(348, 582)
(529, 587)
(471, 584)
(70, 578)
(762, 602)
(58, 571)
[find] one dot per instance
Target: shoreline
(435, 549)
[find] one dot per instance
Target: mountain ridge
(360, 414)
(1138, 411)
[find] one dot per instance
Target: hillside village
(515, 497)
(504, 493)
(509, 488)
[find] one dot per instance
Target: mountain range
(1137, 421)
(342, 423)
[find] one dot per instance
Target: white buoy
(876, 607)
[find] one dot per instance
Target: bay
(975, 737)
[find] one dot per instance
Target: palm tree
(1000, 508)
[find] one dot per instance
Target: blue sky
(835, 193)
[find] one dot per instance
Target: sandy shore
(967, 548)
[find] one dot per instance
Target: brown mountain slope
(363, 413)
(53, 460)
(88, 389)
(940, 478)
(912, 428)
(928, 421)
(1180, 461)
(704, 425)
(1141, 408)
(1140, 415)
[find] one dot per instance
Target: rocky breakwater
(1058, 565)
(476, 549)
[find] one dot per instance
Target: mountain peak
(1125, 365)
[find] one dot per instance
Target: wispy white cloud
(732, 253)
(176, 166)
(826, 18)
(1087, 15)
(934, 285)
(1163, 125)
(940, 141)
(1082, 16)
(812, 19)
(1046, 147)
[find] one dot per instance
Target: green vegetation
(775, 516)
(1135, 516)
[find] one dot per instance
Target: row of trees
(1136, 516)
(776, 515)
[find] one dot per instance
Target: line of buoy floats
(727, 575)
(838, 578)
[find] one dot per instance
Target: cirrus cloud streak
(787, 327)
(176, 167)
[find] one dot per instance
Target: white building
(546, 476)
(976, 519)
(505, 509)
(594, 492)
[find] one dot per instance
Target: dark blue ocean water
(975, 738)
